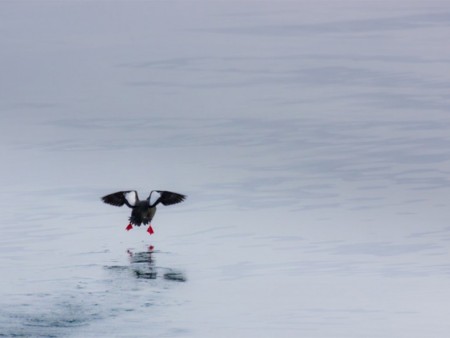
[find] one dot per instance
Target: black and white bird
(142, 211)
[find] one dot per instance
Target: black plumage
(142, 210)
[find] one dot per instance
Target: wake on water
(56, 315)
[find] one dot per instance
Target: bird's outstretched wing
(168, 197)
(122, 197)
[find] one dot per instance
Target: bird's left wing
(122, 197)
(168, 197)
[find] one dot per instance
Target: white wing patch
(154, 196)
(131, 197)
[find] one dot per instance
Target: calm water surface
(311, 137)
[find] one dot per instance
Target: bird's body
(143, 211)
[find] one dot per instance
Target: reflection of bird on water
(143, 211)
(143, 264)
(143, 267)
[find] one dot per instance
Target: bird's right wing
(122, 197)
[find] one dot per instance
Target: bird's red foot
(129, 227)
(150, 230)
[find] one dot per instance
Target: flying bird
(142, 211)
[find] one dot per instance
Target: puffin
(142, 211)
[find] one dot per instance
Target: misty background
(311, 137)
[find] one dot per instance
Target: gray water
(312, 140)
